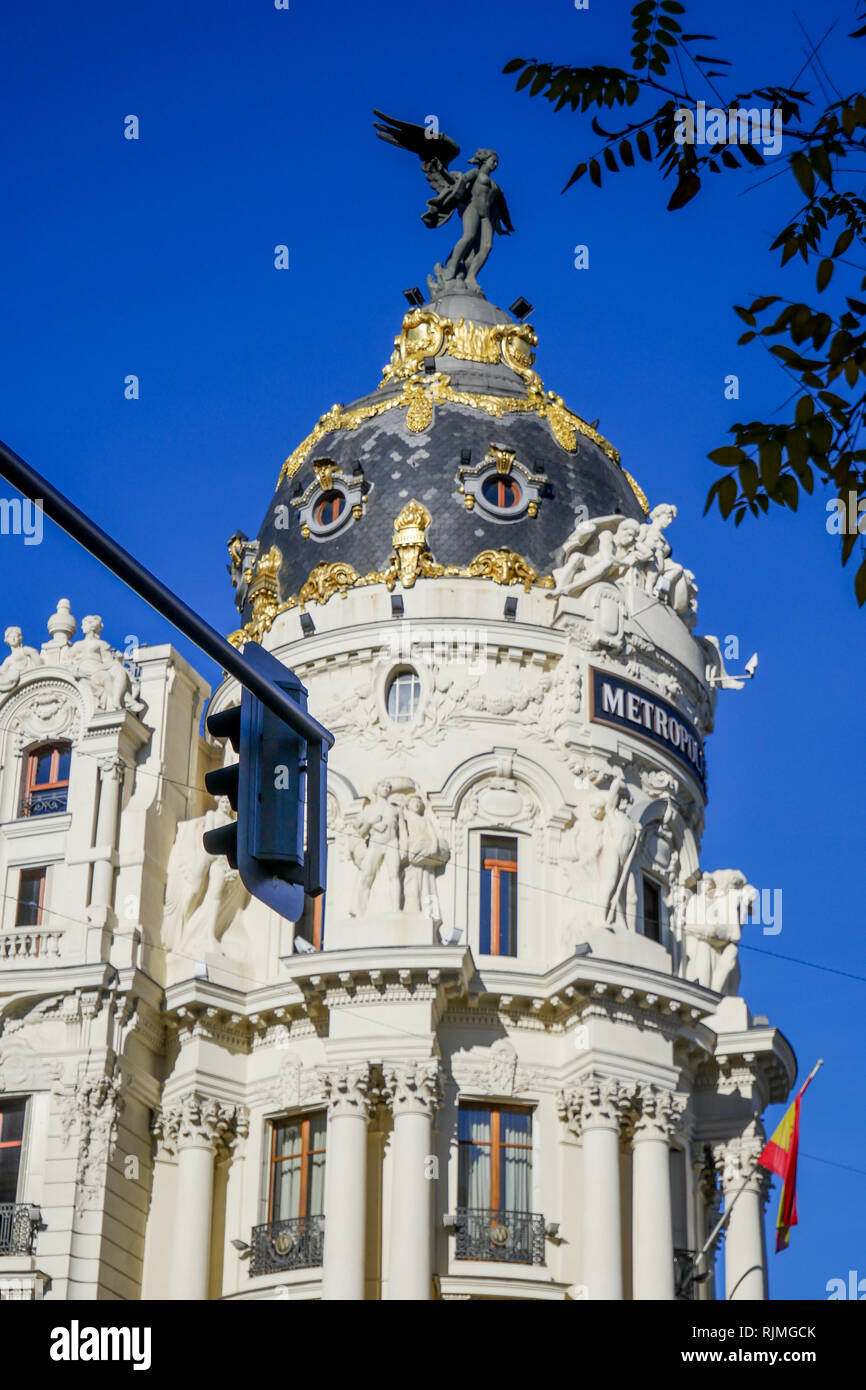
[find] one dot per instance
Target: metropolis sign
(622, 705)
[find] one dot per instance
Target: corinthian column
(414, 1094)
(594, 1110)
(111, 772)
(198, 1129)
(745, 1257)
(349, 1104)
(658, 1113)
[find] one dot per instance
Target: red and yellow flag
(780, 1156)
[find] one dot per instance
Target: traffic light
(278, 788)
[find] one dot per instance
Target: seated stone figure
(715, 910)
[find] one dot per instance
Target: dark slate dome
(462, 425)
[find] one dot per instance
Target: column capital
(595, 1102)
(112, 767)
(413, 1088)
(197, 1120)
(348, 1089)
(657, 1112)
(735, 1160)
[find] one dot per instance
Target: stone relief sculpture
(202, 894)
(397, 840)
(92, 661)
(604, 838)
(19, 660)
(612, 547)
(712, 914)
(472, 194)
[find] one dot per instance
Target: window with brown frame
(11, 1138)
(31, 897)
(46, 779)
(498, 926)
(495, 1158)
(297, 1167)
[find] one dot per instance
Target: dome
(460, 463)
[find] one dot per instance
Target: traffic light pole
(60, 510)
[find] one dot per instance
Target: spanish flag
(780, 1156)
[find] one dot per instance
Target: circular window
(403, 695)
(328, 511)
(502, 494)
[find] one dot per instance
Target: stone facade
(158, 1023)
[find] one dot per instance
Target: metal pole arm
(59, 509)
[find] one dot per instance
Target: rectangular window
(297, 1176)
(495, 1167)
(652, 910)
(11, 1138)
(46, 785)
(31, 895)
(498, 928)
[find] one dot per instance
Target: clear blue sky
(155, 258)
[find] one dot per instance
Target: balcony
(686, 1279)
(513, 1237)
(45, 803)
(281, 1245)
(18, 1223)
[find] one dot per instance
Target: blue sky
(156, 257)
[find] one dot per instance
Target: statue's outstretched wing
(417, 139)
(500, 215)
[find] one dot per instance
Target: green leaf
(843, 241)
(745, 338)
(728, 456)
(525, 77)
(860, 576)
(689, 184)
(595, 172)
(749, 477)
(825, 274)
(673, 7)
(729, 160)
(643, 145)
(805, 410)
(727, 495)
(789, 490)
(626, 154)
(746, 315)
(759, 305)
(610, 161)
(514, 65)
(802, 170)
(770, 455)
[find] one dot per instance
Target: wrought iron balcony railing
(686, 1277)
(18, 1222)
(516, 1237)
(45, 803)
(281, 1245)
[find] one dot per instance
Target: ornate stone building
(506, 1056)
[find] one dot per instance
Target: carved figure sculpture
(606, 839)
(472, 194)
(382, 832)
(19, 660)
(202, 894)
(426, 851)
(603, 548)
(94, 661)
(715, 911)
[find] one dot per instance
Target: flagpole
(730, 1207)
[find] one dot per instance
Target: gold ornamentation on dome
(505, 566)
(469, 502)
(425, 334)
(503, 458)
(410, 541)
(419, 413)
(638, 492)
(324, 471)
(326, 580)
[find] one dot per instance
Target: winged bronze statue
(472, 193)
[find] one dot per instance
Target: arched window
(403, 695)
(46, 779)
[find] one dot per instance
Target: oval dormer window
(502, 494)
(403, 695)
(328, 511)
